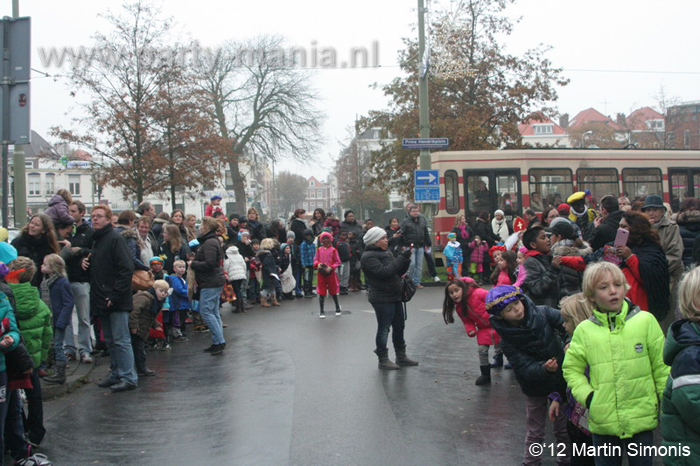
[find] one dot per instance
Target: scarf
(577, 214)
(46, 289)
(463, 230)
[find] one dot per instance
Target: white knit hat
(373, 235)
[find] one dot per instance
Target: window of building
(686, 139)
(638, 182)
(74, 185)
(306, 206)
(670, 140)
(544, 129)
(28, 164)
(311, 183)
(312, 194)
(50, 183)
(451, 192)
(34, 184)
(312, 205)
(319, 194)
(555, 185)
(599, 181)
(319, 205)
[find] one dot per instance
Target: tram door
(685, 182)
(491, 190)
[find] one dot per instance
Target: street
(293, 389)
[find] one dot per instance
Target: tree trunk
(238, 184)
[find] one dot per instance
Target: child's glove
(471, 333)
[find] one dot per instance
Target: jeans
(253, 291)
(81, 296)
(416, 268)
(209, 309)
(344, 274)
(297, 272)
(35, 410)
(59, 336)
(389, 315)
(537, 409)
(115, 327)
(618, 445)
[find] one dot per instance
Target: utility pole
(423, 108)
(20, 180)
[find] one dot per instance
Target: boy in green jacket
(35, 323)
(623, 346)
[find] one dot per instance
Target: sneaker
(436, 279)
(165, 347)
(201, 329)
(70, 356)
(322, 315)
(87, 359)
(35, 460)
(180, 339)
(210, 349)
(337, 312)
(218, 349)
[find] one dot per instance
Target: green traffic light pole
(423, 107)
(20, 179)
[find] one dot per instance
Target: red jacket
(475, 317)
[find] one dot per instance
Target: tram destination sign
(425, 143)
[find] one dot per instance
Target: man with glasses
(111, 269)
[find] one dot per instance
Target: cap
(653, 201)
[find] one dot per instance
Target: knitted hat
(155, 259)
(8, 253)
(451, 236)
(291, 234)
(501, 296)
(242, 233)
(373, 235)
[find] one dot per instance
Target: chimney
(621, 120)
(564, 121)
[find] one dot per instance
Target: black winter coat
(541, 283)
(415, 231)
(81, 239)
(605, 233)
(36, 250)
(689, 226)
(485, 232)
(383, 273)
(111, 269)
(208, 261)
(354, 226)
(529, 346)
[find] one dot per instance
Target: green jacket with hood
(34, 320)
(627, 371)
(680, 407)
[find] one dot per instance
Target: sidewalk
(76, 375)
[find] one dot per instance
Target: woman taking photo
(383, 274)
(210, 281)
(36, 241)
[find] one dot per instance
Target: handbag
(18, 361)
(141, 280)
(227, 293)
(408, 288)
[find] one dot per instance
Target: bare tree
(291, 189)
(262, 105)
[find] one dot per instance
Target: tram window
(478, 196)
(554, 185)
(451, 192)
(599, 181)
(638, 182)
(507, 189)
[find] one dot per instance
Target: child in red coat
(326, 261)
(464, 296)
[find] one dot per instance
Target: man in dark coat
(415, 232)
(604, 230)
(111, 269)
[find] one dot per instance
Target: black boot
(497, 360)
(485, 378)
(337, 306)
(384, 362)
(402, 359)
(59, 375)
(321, 301)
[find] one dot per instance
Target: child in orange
(326, 261)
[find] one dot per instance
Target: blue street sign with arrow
(427, 186)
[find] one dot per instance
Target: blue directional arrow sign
(425, 143)
(427, 186)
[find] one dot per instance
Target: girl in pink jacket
(326, 261)
(464, 296)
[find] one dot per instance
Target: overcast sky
(617, 53)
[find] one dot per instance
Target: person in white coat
(499, 225)
(235, 268)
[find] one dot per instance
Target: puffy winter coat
(61, 302)
(478, 252)
(689, 227)
(179, 299)
(383, 273)
(58, 210)
(570, 279)
(10, 329)
(143, 316)
(541, 282)
(606, 231)
(680, 409)
(415, 231)
(475, 317)
(234, 264)
(627, 371)
(530, 345)
(672, 245)
(34, 320)
(307, 251)
(208, 261)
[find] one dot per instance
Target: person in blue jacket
(58, 296)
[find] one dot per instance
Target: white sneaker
(338, 313)
(436, 279)
(87, 359)
(322, 315)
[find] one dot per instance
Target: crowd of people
(593, 310)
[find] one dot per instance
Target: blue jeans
(209, 310)
(645, 438)
(389, 315)
(81, 296)
(416, 268)
(59, 336)
(115, 327)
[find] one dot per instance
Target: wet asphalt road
(292, 389)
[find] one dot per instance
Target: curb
(77, 375)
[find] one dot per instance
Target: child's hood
(27, 300)
(453, 243)
(232, 251)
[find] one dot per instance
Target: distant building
(318, 196)
(543, 133)
(683, 125)
(647, 128)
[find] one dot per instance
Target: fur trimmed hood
(567, 248)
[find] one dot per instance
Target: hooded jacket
(208, 261)
(133, 242)
(540, 337)
(234, 264)
(474, 315)
(680, 410)
(606, 231)
(541, 282)
(34, 320)
(627, 371)
(9, 327)
(58, 210)
(143, 316)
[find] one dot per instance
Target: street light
(583, 137)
